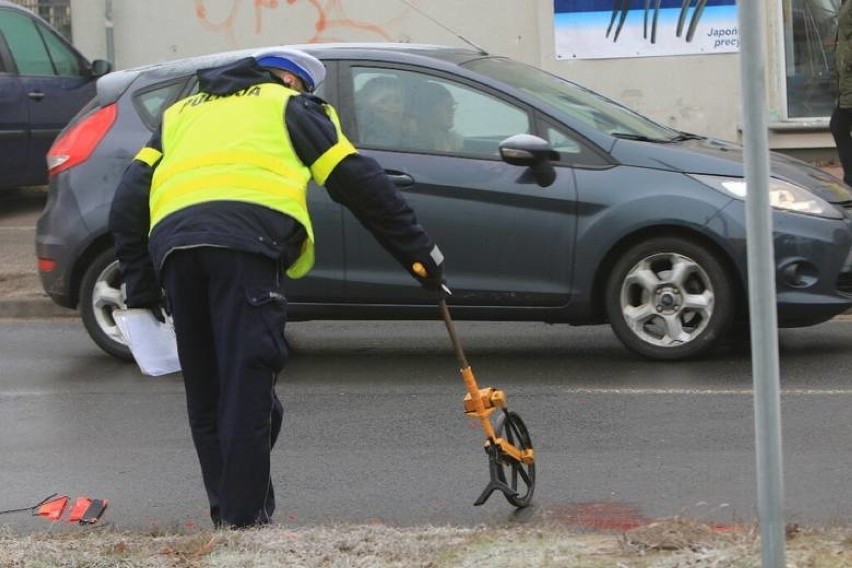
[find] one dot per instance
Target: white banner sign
(604, 29)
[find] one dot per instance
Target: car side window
(379, 108)
(65, 61)
(572, 150)
(27, 44)
(396, 109)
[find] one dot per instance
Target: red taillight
(76, 144)
(46, 264)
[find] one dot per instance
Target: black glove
(158, 313)
(432, 281)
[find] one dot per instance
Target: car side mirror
(532, 152)
(100, 67)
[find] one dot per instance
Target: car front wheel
(668, 299)
(100, 296)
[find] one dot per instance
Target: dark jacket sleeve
(129, 223)
(361, 185)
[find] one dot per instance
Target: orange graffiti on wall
(331, 17)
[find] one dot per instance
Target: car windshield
(587, 106)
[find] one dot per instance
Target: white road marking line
(705, 392)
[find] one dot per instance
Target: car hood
(709, 156)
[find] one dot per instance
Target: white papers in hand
(152, 343)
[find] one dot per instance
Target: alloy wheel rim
(667, 300)
(106, 298)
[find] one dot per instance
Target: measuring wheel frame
(521, 478)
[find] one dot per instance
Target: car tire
(100, 295)
(669, 299)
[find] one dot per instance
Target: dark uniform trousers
(229, 313)
(840, 124)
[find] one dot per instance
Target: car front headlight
(782, 195)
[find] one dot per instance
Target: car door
(55, 82)
(14, 119)
(506, 240)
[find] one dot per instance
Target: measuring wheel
(508, 442)
(521, 476)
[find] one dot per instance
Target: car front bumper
(812, 259)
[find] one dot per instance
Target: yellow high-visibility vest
(237, 148)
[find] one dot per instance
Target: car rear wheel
(100, 296)
(668, 298)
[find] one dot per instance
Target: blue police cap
(304, 66)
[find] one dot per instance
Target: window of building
(809, 33)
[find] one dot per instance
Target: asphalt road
(374, 431)
(21, 293)
(19, 210)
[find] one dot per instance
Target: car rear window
(152, 101)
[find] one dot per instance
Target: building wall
(693, 93)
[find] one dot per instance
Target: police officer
(840, 122)
(212, 209)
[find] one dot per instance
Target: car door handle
(400, 179)
(36, 95)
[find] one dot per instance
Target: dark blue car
(44, 81)
(550, 202)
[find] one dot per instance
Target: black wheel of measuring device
(519, 476)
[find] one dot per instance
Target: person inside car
(435, 111)
(379, 112)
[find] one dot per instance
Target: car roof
(113, 84)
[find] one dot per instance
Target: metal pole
(762, 303)
(108, 29)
